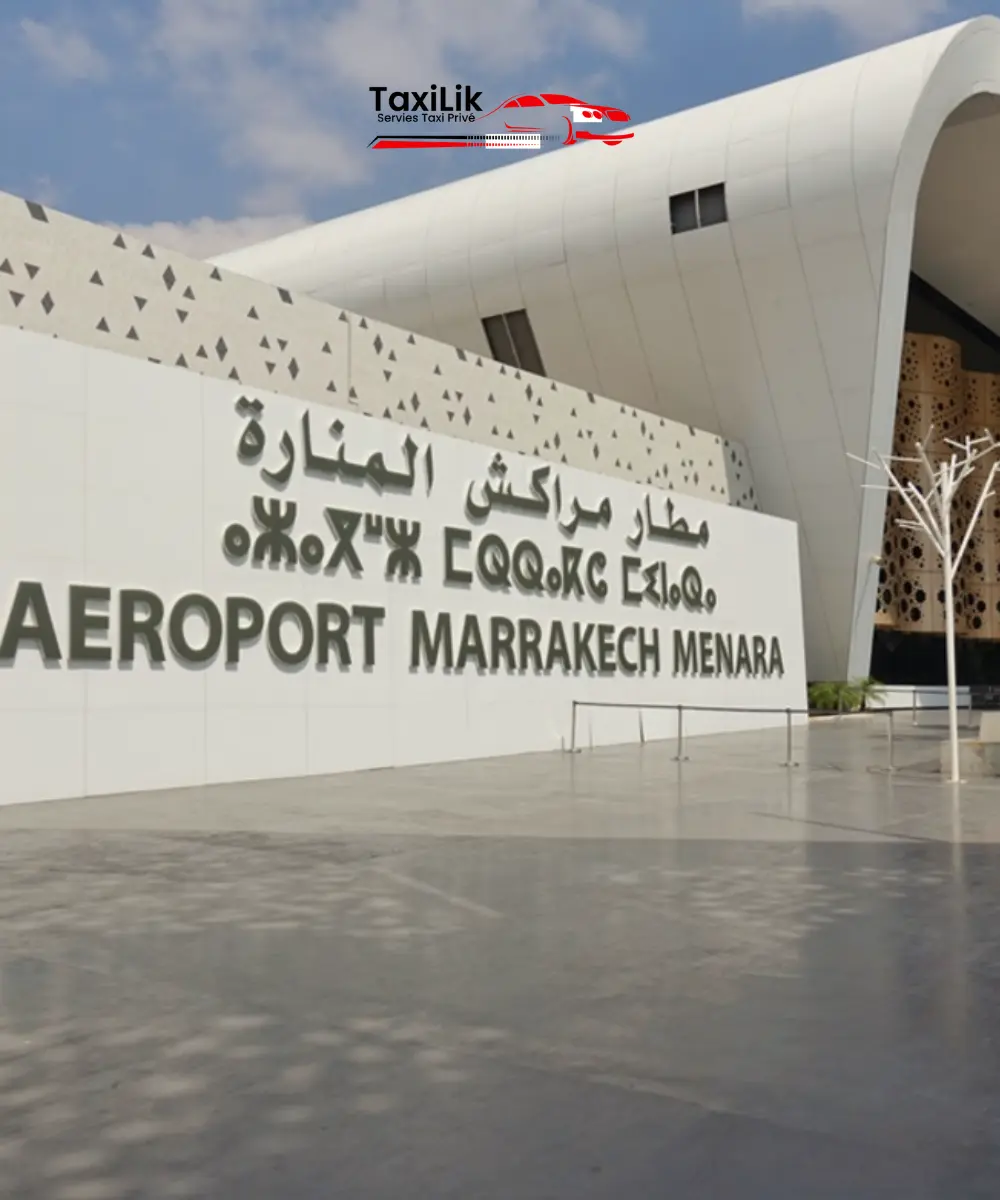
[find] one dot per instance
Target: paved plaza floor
(606, 974)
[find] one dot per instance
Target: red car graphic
(579, 111)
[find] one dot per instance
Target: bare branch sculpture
(931, 509)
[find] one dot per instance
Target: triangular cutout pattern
(672, 453)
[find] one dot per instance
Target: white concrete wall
(122, 474)
(928, 704)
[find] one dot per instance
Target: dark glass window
(683, 212)
(512, 341)
(499, 339)
(696, 210)
(525, 346)
(712, 205)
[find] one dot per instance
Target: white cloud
(207, 237)
(869, 21)
(45, 191)
(66, 53)
(405, 42)
(239, 61)
(286, 83)
(282, 85)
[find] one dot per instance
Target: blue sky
(221, 122)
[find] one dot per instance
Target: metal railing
(788, 713)
(967, 707)
(967, 704)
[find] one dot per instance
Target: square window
(683, 213)
(712, 205)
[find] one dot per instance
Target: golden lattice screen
(935, 390)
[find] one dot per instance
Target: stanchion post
(680, 756)
(971, 719)
(572, 732)
(914, 706)
(892, 747)
(642, 732)
(788, 739)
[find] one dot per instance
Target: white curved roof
(781, 327)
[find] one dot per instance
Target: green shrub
(844, 697)
(869, 691)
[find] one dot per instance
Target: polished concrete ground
(602, 975)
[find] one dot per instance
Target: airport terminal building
(568, 438)
(749, 268)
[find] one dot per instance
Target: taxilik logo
(520, 123)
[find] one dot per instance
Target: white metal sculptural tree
(931, 507)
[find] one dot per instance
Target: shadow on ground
(689, 982)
